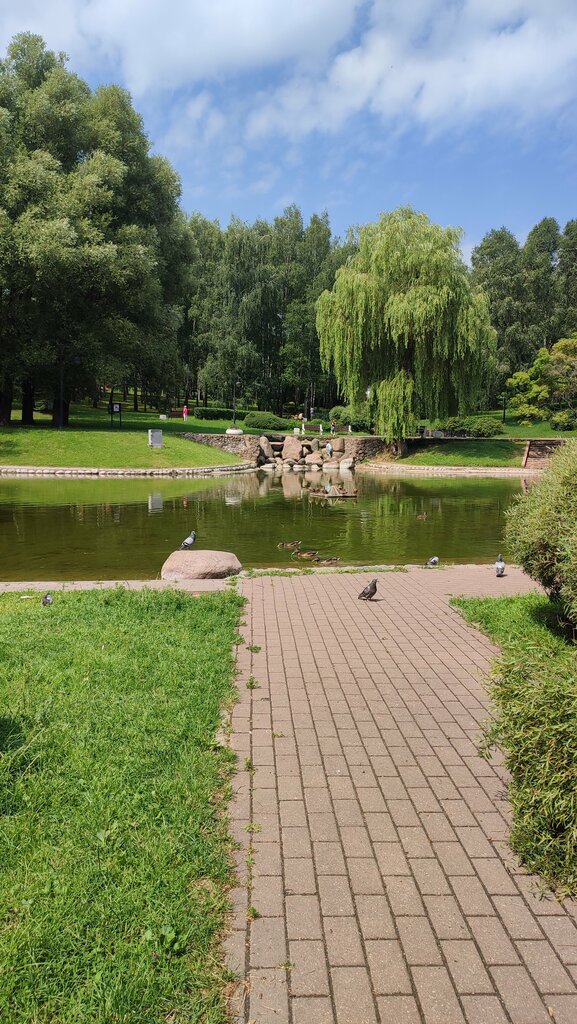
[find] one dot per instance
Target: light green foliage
(542, 529)
(115, 853)
(403, 320)
(549, 385)
(534, 691)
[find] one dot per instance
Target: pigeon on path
(499, 566)
(47, 600)
(432, 562)
(369, 592)
(188, 541)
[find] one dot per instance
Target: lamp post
(237, 384)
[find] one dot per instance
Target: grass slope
(114, 850)
(120, 449)
(482, 452)
(535, 694)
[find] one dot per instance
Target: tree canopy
(403, 322)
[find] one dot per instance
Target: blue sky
(465, 109)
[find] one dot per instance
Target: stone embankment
(294, 451)
(92, 471)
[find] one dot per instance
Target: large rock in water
(199, 565)
(292, 448)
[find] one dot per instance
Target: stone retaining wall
(99, 472)
(398, 469)
(244, 445)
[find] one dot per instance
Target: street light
(237, 384)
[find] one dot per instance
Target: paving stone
(303, 917)
(398, 1010)
(546, 969)
(493, 941)
(343, 942)
(336, 897)
(353, 997)
(437, 996)
(466, 967)
(483, 1010)
(387, 968)
(312, 1011)
(419, 941)
(375, 917)
(269, 997)
(309, 974)
(520, 995)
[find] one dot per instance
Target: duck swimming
(289, 545)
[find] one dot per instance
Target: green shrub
(338, 413)
(218, 413)
(266, 421)
(534, 691)
(471, 426)
(564, 420)
(542, 529)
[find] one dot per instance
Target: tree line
(105, 280)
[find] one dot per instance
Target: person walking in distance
(185, 412)
(333, 426)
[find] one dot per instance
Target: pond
(125, 528)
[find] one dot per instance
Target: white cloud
(434, 63)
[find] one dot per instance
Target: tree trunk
(60, 412)
(27, 403)
(124, 390)
(6, 399)
(135, 402)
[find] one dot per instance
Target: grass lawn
(534, 691)
(481, 452)
(34, 446)
(115, 853)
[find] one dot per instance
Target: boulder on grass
(292, 448)
(200, 565)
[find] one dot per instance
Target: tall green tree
(92, 240)
(567, 277)
(541, 295)
(497, 270)
(403, 321)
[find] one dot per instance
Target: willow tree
(404, 322)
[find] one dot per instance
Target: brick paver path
(384, 889)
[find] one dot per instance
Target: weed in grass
(254, 649)
(252, 683)
(115, 854)
(534, 690)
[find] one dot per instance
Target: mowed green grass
(111, 449)
(473, 452)
(114, 845)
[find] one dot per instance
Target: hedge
(542, 529)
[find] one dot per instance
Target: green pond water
(125, 528)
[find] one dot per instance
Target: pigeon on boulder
(499, 566)
(188, 541)
(369, 592)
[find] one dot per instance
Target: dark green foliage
(534, 689)
(542, 529)
(472, 426)
(217, 413)
(266, 421)
(115, 853)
